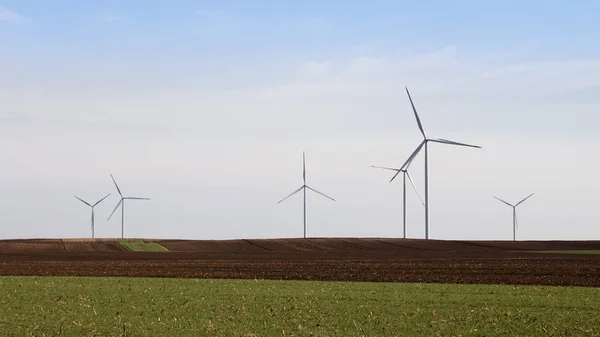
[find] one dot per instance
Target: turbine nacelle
(517, 204)
(303, 188)
(121, 203)
(92, 206)
(414, 154)
(405, 171)
(425, 139)
(514, 207)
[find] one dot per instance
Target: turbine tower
(405, 175)
(514, 207)
(122, 204)
(303, 188)
(424, 144)
(92, 206)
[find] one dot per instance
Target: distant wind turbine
(514, 207)
(92, 206)
(122, 204)
(303, 188)
(406, 175)
(424, 143)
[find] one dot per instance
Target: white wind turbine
(303, 188)
(405, 175)
(514, 207)
(424, 143)
(122, 204)
(92, 206)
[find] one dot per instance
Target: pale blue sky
(276, 25)
(207, 106)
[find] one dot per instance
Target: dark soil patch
(349, 259)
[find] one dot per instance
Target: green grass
(138, 245)
(82, 306)
(573, 251)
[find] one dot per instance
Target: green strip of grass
(586, 251)
(139, 245)
(83, 306)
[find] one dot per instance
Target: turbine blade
(99, 201)
(520, 202)
(450, 142)
(416, 115)
(85, 202)
(412, 156)
(326, 196)
(296, 191)
(395, 175)
(504, 202)
(114, 210)
(516, 221)
(117, 186)
(386, 168)
(304, 167)
(136, 198)
(415, 187)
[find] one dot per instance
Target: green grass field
(82, 306)
(573, 251)
(139, 245)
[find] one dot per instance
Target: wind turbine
(514, 207)
(92, 206)
(424, 144)
(405, 175)
(303, 188)
(122, 204)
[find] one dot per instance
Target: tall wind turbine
(405, 175)
(303, 188)
(122, 204)
(514, 207)
(424, 144)
(92, 206)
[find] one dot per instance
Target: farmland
(388, 287)
(372, 260)
(84, 306)
(139, 245)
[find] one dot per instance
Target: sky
(206, 108)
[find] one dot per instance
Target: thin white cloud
(213, 15)
(451, 77)
(445, 83)
(316, 69)
(111, 16)
(10, 16)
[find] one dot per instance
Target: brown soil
(340, 259)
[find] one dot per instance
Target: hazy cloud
(110, 16)
(214, 16)
(459, 88)
(9, 16)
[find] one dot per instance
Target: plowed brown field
(389, 260)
